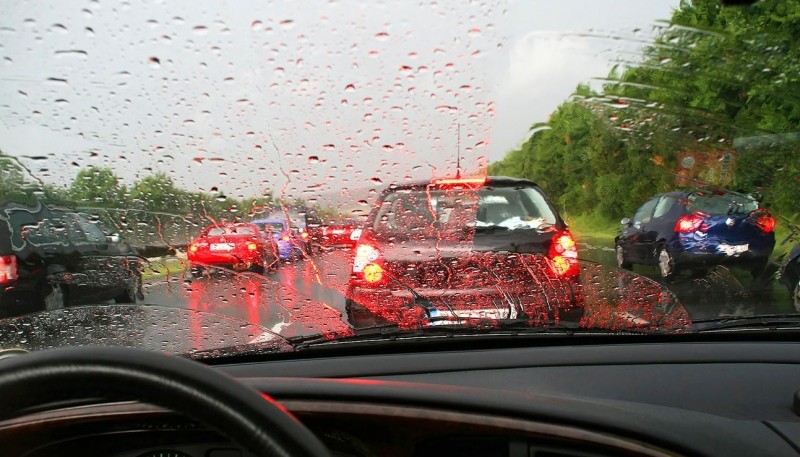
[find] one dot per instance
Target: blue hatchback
(279, 229)
(696, 229)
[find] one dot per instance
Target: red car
(339, 233)
(239, 246)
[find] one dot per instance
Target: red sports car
(239, 246)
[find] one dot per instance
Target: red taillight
(193, 248)
(251, 246)
(691, 223)
(766, 223)
(8, 269)
(368, 264)
(564, 254)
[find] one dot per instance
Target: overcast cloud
(307, 97)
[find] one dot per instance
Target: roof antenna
(458, 152)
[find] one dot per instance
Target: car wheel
(257, 268)
(621, 261)
(57, 298)
(796, 296)
(197, 272)
(666, 263)
(129, 296)
(759, 269)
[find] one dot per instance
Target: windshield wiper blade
(761, 322)
(491, 229)
(497, 328)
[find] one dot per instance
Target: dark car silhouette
(51, 258)
(697, 229)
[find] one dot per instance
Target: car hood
(158, 328)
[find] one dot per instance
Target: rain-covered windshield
(591, 164)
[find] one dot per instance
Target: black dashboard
(643, 399)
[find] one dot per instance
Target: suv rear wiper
(422, 301)
(491, 229)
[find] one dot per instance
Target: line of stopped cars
(466, 249)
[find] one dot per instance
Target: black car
(452, 250)
(697, 229)
(51, 258)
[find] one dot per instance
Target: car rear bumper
(227, 258)
(714, 252)
(557, 299)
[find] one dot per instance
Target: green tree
(97, 187)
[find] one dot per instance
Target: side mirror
(625, 221)
(113, 238)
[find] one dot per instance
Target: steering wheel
(250, 419)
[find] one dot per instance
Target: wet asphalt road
(307, 297)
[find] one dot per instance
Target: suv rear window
(409, 211)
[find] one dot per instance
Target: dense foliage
(717, 80)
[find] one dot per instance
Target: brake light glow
(304, 235)
(766, 223)
(8, 268)
(691, 223)
(285, 238)
(252, 246)
(365, 254)
(459, 182)
(564, 254)
(193, 248)
(368, 265)
(373, 273)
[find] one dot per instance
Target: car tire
(197, 272)
(796, 296)
(127, 297)
(666, 264)
(759, 269)
(56, 298)
(621, 261)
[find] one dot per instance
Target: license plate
(221, 247)
(733, 249)
(338, 232)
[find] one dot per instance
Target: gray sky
(330, 96)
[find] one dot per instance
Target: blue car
(279, 229)
(697, 229)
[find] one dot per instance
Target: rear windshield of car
(721, 203)
(53, 228)
(425, 210)
(231, 230)
(271, 226)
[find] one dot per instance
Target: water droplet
(382, 36)
(313, 159)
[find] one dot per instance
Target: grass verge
(163, 267)
(592, 227)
